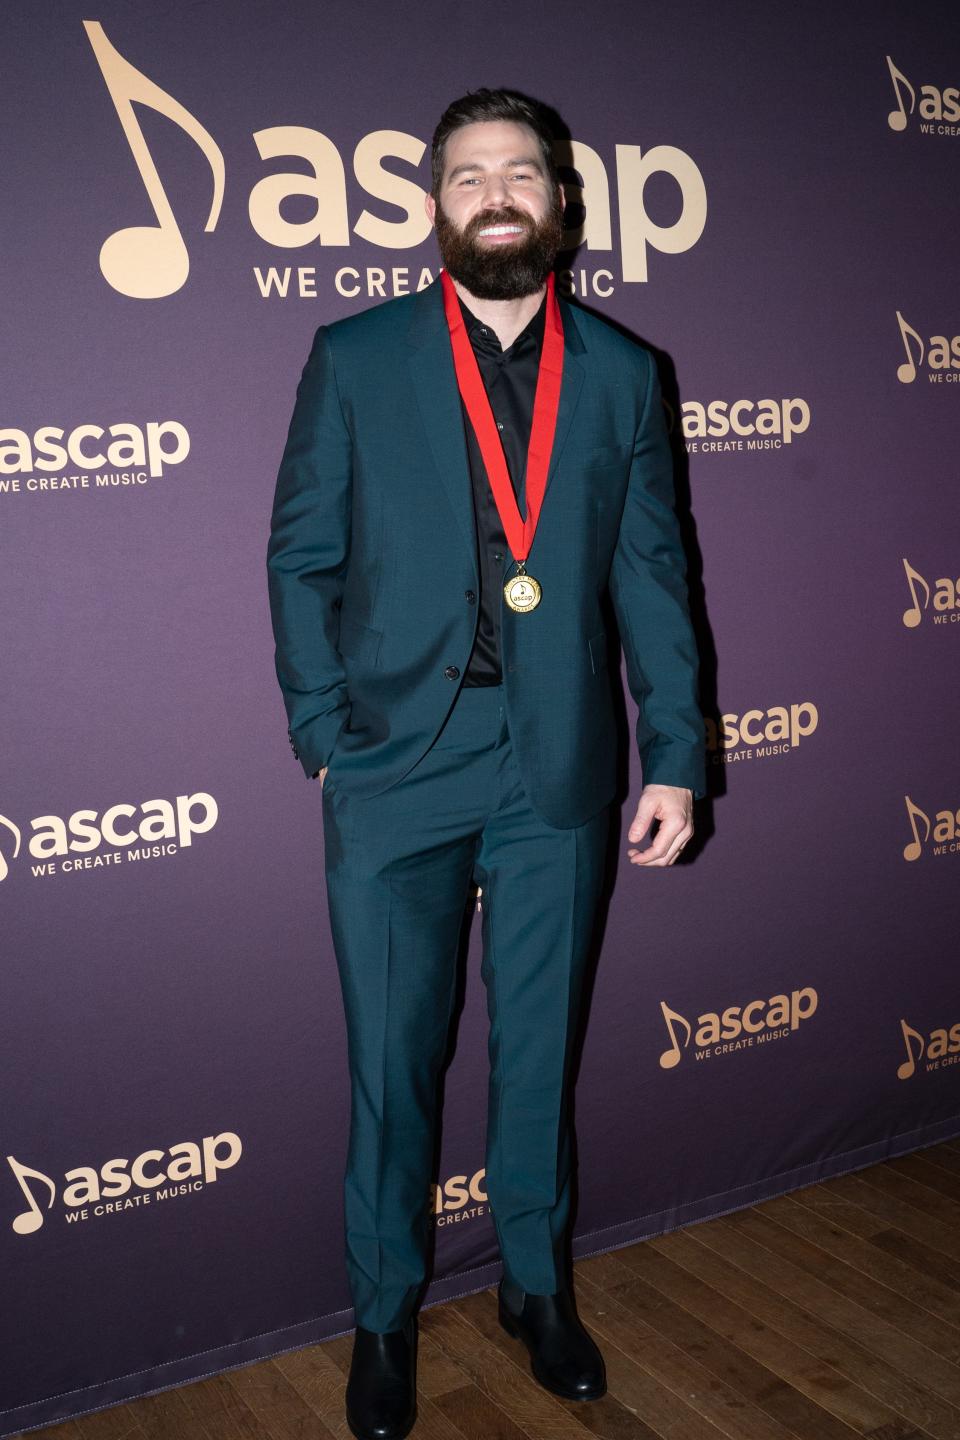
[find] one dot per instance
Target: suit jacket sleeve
(307, 558)
(649, 593)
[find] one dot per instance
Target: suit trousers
(400, 867)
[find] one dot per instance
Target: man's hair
(486, 104)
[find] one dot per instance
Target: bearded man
(468, 472)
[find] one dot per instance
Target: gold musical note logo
(907, 372)
(31, 1219)
(15, 832)
(909, 1065)
(912, 616)
(671, 1057)
(913, 849)
(148, 262)
(897, 119)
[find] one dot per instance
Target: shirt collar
(485, 338)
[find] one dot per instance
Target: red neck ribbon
(546, 402)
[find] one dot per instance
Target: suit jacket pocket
(597, 645)
(359, 642)
(610, 454)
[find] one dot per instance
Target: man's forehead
(492, 142)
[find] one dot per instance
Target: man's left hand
(672, 805)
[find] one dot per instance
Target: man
(467, 471)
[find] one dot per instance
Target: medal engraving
(522, 593)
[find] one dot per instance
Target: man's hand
(672, 805)
(321, 775)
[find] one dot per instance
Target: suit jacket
(372, 565)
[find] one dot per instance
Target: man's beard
(500, 271)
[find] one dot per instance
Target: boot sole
(367, 1434)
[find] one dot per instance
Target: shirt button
(471, 595)
(498, 554)
(451, 672)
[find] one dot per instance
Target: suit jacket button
(451, 672)
(471, 595)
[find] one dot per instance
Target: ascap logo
(89, 1192)
(67, 845)
(756, 734)
(450, 1203)
(941, 354)
(145, 451)
(718, 426)
(14, 830)
(939, 1048)
(944, 597)
(941, 834)
(738, 1027)
(150, 261)
(937, 111)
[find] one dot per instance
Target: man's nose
(496, 192)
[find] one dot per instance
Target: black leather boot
(382, 1385)
(563, 1357)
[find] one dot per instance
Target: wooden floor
(827, 1313)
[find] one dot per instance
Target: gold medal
(522, 592)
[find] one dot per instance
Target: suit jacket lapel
(438, 398)
(570, 387)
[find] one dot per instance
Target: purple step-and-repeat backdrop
(765, 197)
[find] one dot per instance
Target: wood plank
(886, 1238)
(876, 1356)
(277, 1403)
(216, 1410)
(658, 1290)
(118, 1422)
(895, 1210)
(942, 1157)
(904, 1279)
(917, 1167)
(476, 1417)
(614, 1415)
(497, 1376)
(880, 1300)
(894, 1180)
(320, 1382)
(437, 1372)
(681, 1267)
(680, 1368)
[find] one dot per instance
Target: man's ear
(430, 205)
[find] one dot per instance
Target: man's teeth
(502, 230)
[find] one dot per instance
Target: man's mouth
(501, 230)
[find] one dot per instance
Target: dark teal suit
(433, 786)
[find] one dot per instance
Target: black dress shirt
(510, 379)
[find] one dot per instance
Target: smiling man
(467, 473)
